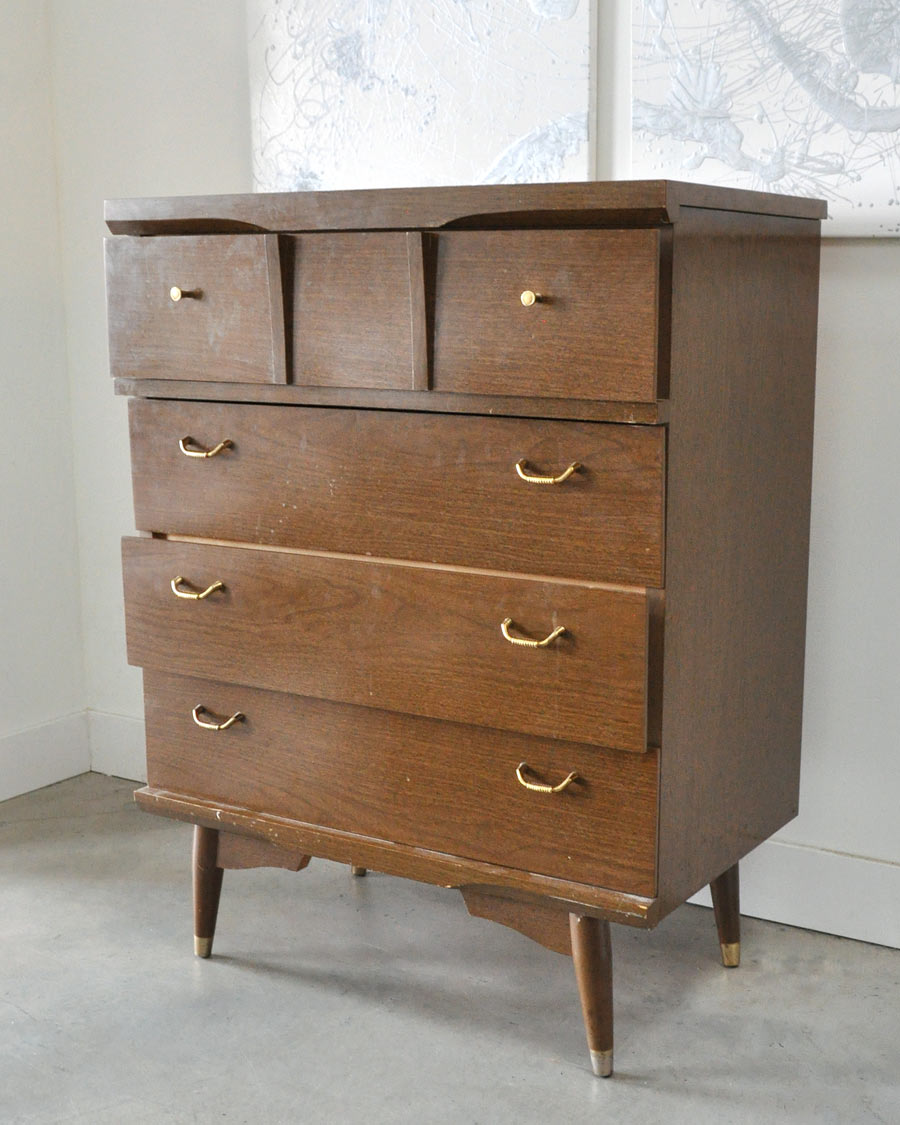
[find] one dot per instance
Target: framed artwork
(392, 93)
(796, 96)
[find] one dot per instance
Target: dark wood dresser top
(480, 207)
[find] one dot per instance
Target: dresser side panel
(739, 460)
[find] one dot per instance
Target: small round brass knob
(177, 293)
(529, 297)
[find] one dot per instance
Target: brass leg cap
(202, 946)
(731, 954)
(601, 1061)
(357, 871)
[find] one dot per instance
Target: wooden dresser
(474, 529)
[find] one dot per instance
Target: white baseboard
(847, 895)
(44, 755)
(118, 745)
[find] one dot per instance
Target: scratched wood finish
(486, 206)
(350, 323)
(233, 332)
(409, 780)
(436, 868)
(425, 641)
(398, 718)
(743, 358)
(594, 334)
(437, 489)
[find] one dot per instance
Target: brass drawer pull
(529, 298)
(201, 452)
(532, 478)
(539, 786)
(192, 595)
(237, 717)
(504, 629)
(176, 293)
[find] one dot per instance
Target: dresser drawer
(205, 307)
(433, 488)
(591, 333)
(350, 302)
(441, 786)
(422, 640)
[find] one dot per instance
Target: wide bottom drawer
(446, 787)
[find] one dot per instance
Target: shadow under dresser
(473, 539)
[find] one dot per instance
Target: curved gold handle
(539, 786)
(237, 717)
(504, 629)
(201, 452)
(533, 478)
(176, 294)
(192, 595)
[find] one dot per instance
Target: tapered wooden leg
(726, 896)
(207, 888)
(592, 954)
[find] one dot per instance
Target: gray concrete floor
(333, 999)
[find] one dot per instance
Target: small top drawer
(350, 309)
(205, 307)
(549, 313)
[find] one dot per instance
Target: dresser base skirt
(404, 860)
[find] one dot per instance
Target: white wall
(42, 731)
(151, 99)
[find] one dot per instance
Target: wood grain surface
(592, 956)
(432, 488)
(237, 853)
(437, 868)
(593, 335)
(426, 641)
(487, 206)
(233, 332)
(408, 780)
(548, 925)
(207, 886)
(511, 406)
(740, 456)
(350, 324)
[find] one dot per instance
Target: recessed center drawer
(433, 488)
(551, 313)
(351, 323)
(423, 640)
(442, 786)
